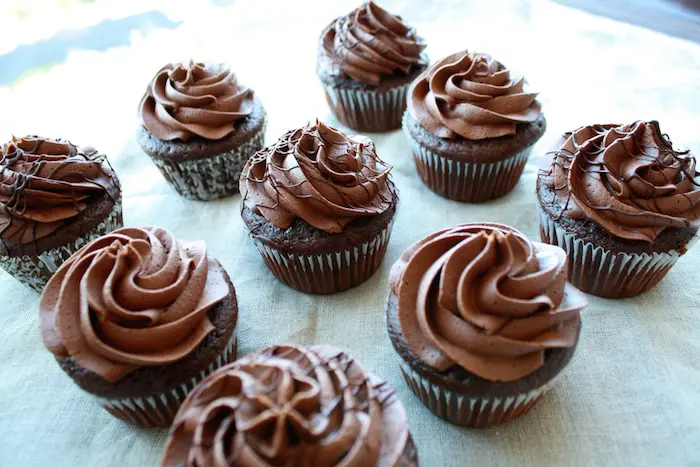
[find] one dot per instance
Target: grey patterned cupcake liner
(211, 177)
(474, 412)
(598, 271)
(364, 110)
(467, 181)
(35, 271)
(158, 410)
(327, 273)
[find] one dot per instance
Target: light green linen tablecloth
(631, 395)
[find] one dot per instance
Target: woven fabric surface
(631, 395)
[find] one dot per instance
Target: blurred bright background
(77, 68)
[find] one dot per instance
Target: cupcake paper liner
(35, 271)
(211, 177)
(475, 412)
(158, 410)
(466, 181)
(327, 273)
(598, 271)
(371, 111)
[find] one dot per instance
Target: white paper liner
(158, 410)
(371, 111)
(475, 412)
(601, 272)
(327, 273)
(211, 177)
(467, 181)
(35, 271)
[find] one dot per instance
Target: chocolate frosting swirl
(472, 96)
(45, 183)
(627, 179)
(288, 405)
(369, 43)
(484, 298)
(134, 297)
(194, 99)
(320, 175)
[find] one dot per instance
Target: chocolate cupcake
(288, 405)
(471, 126)
(199, 126)
(366, 61)
(622, 203)
(319, 206)
(483, 320)
(137, 319)
(54, 198)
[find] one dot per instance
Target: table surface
(631, 395)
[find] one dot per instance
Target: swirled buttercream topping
(132, 298)
(486, 299)
(45, 183)
(320, 175)
(285, 406)
(472, 96)
(626, 178)
(194, 99)
(370, 43)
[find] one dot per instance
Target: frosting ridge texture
(134, 297)
(472, 96)
(194, 99)
(626, 178)
(486, 299)
(318, 174)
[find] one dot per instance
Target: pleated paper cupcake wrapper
(371, 111)
(211, 177)
(598, 271)
(158, 410)
(466, 181)
(474, 412)
(35, 271)
(327, 273)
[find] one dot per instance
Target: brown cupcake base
(471, 171)
(599, 271)
(365, 107)
(318, 262)
(210, 178)
(473, 412)
(367, 110)
(327, 272)
(158, 410)
(466, 399)
(34, 270)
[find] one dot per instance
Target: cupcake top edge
(369, 44)
(194, 99)
(481, 296)
(627, 179)
(315, 405)
(471, 96)
(134, 297)
(320, 175)
(45, 183)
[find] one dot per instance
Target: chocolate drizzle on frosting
(194, 99)
(318, 174)
(289, 405)
(45, 183)
(486, 299)
(134, 297)
(472, 96)
(370, 43)
(628, 179)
